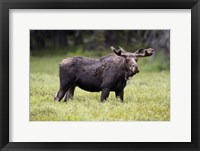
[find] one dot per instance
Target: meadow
(146, 96)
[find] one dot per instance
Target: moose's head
(130, 61)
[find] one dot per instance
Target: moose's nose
(137, 70)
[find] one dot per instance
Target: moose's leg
(104, 94)
(120, 94)
(70, 93)
(61, 93)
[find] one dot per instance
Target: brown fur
(109, 73)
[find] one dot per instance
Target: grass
(146, 98)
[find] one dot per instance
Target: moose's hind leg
(70, 93)
(60, 94)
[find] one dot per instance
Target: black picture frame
(5, 5)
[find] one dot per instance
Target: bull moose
(109, 73)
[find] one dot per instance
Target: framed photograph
(84, 75)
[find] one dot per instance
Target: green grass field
(146, 97)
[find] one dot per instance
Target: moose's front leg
(120, 94)
(104, 94)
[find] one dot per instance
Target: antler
(115, 51)
(120, 51)
(144, 52)
(138, 53)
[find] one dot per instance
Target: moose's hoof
(56, 98)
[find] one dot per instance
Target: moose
(109, 73)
